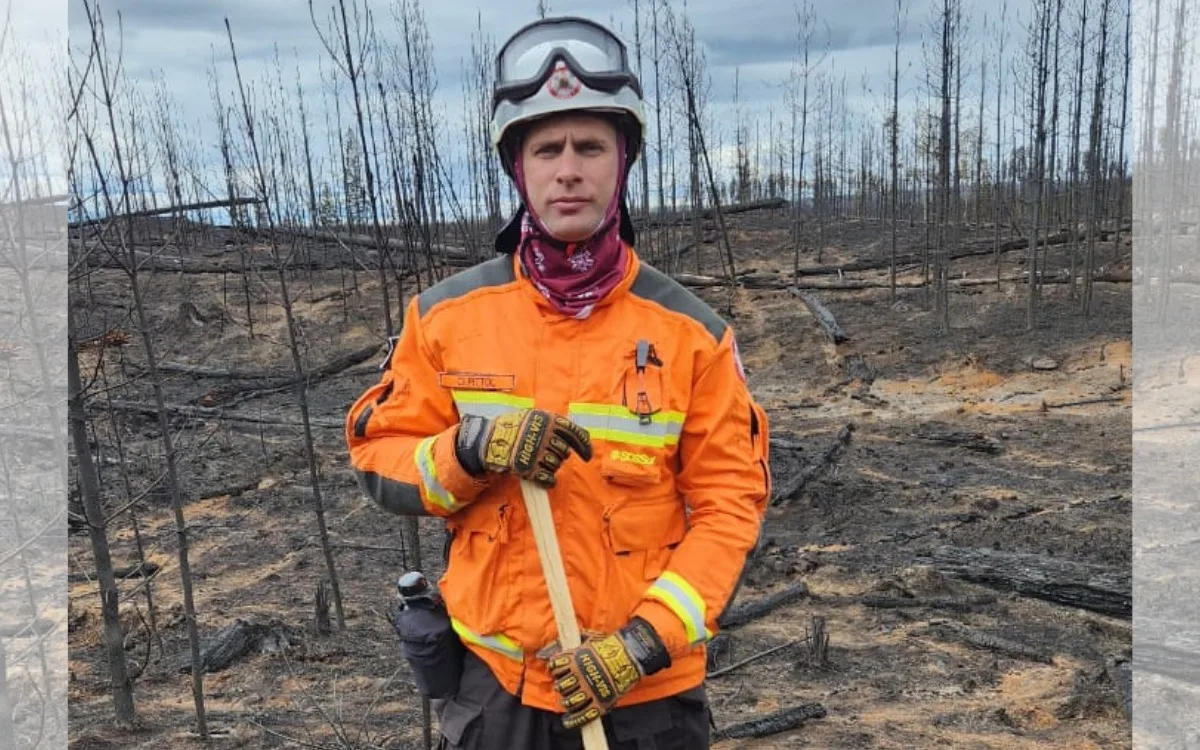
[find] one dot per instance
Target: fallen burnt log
(975, 441)
(948, 603)
(989, 642)
(449, 255)
(699, 282)
(312, 377)
(741, 208)
(231, 263)
(735, 208)
(1109, 399)
(1099, 588)
(772, 281)
(217, 413)
(752, 610)
(202, 371)
(790, 489)
(753, 658)
(240, 638)
(226, 203)
(983, 248)
(123, 572)
(833, 331)
(782, 720)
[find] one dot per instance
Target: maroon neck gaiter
(574, 276)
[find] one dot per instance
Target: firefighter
(569, 362)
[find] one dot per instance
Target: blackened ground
(1055, 480)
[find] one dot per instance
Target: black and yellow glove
(590, 679)
(530, 443)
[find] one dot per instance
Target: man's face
(571, 169)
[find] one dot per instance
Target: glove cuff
(644, 646)
(472, 431)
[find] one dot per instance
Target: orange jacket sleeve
(401, 434)
(725, 481)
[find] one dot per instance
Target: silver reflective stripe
(491, 411)
(489, 404)
(434, 491)
(498, 642)
(617, 424)
(674, 591)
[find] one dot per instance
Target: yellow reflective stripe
(489, 404)
(632, 438)
(616, 423)
(617, 410)
(675, 592)
(499, 642)
(492, 397)
(434, 490)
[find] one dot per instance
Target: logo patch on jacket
(629, 457)
(477, 381)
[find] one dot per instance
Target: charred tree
(105, 83)
(260, 175)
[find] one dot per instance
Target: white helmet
(564, 64)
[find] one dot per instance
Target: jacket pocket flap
(646, 525)
(632, 467)
(479, 518)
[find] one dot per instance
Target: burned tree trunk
(781, 721)
(238, 639)
(824, 317)
(1099, 588)
(89, 489)
(752, 610)
(990, 642)
(789, 490)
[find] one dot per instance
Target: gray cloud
(179, 41)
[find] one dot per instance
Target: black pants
(483, 716)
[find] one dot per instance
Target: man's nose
(568, 165)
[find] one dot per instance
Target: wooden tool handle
(537, 505)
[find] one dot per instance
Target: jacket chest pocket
(633, 427)
(642, 535)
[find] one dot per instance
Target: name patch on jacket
(477, 381)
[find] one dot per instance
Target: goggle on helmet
(564, 64)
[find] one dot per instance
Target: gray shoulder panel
(656, 286)
(495, 272)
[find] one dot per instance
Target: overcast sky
(177, 40)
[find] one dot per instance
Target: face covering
(574, 276)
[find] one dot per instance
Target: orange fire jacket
(658, 524)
